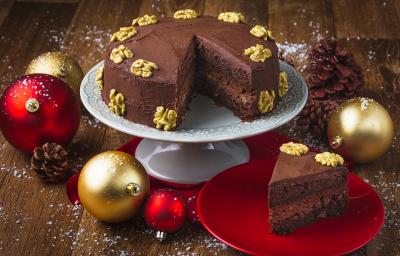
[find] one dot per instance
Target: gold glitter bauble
(360, 130)
(112, 186)
(59, 65)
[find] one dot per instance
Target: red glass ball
(36, 109)
(165, 211)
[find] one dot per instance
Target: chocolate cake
(152, 67)
(305, 187)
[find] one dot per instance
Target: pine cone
(315, 116)
(50, 162)
(331, 71)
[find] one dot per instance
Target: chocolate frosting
(290, 167)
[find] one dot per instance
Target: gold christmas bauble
(361, 130)
(112, 186)
(60, 65)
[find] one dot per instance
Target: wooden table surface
(37, 218)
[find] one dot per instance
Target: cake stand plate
(208, 140)
(233, 207)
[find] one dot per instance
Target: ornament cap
(161, 236)
(336, 142)
(133, 189)
(32, 105)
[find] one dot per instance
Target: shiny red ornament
(165, 211)
(36, 109)
(72, 189)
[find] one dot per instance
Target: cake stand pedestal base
(190, 163)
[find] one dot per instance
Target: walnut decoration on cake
(231, 17)
(258, 53)
(329, 159)
(119, 54)
(261, 32)
(185, 14)
(266, 101)
(294, 149)
(123, 34)
(143, 68)
(145, 20)
(117, 103)
(99, 77)
(165, 118)
(283, 84)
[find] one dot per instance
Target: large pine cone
(315, 116)
(331, 71)
(50, 162)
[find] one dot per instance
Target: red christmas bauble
(36, 109)
(165, 211)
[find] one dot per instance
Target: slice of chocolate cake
(305, 187)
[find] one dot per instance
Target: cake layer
(220, 75)
(285, 217)
(283, 191)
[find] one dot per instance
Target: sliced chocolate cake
(153, 66)
(305, 187)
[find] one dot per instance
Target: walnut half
(294, 149)
(165, 119)
(329, 159)
(119, 54)
(185, 14)
(266, 101)
(143, 68)
(231, 17)
(261, 32)
(258, 53)
(99, 77)
(283, 84)
(123, 34)
(117, 103)
(145, 20)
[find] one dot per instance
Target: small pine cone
(50, 162)
(315, 116)
(331, 71)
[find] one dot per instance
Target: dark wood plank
(379, 19)
(49, 1)
(168, 8)
(5, 7)
(255, 12)
(35, 216)
(295, 21)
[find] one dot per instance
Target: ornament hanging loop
(32, 105)
(161, 236)
(133, 189)
(336, 142)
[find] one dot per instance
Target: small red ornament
(165, 211)
(72, 189)
(36, 109)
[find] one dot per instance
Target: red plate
(233, 207)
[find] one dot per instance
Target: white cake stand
(209, 139)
